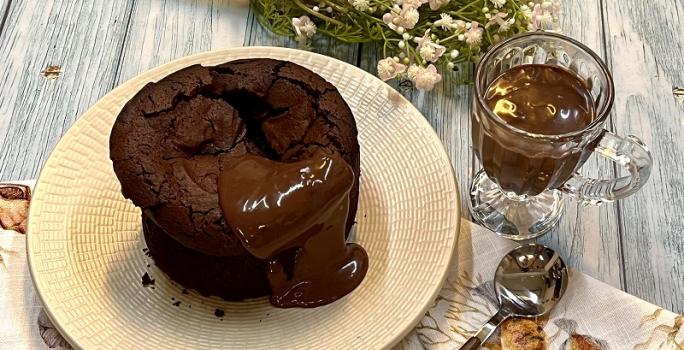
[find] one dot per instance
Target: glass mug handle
(628, 152)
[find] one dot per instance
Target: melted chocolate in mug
(274, 207)
(540, 99)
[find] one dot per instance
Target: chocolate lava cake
(172, 139)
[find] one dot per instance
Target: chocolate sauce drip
(274, 207)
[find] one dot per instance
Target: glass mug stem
(628, 152)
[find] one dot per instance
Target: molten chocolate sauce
(274, 207)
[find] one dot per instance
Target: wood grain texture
(588, 237)
(84, 38)
(256, 35)
(4, 6)
(645, 44)
(163, 30)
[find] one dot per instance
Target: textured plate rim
(408, 324)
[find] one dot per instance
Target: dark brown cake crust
(229, 277)
(171, 140)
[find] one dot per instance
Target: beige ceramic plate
(85, 248)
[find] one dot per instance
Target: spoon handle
(485, 332)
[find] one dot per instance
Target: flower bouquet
(417, 36)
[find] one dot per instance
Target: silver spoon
(529, 282)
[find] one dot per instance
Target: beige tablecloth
(592, 314)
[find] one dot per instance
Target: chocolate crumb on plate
(176, 304)
(146, 280)
(219, 313)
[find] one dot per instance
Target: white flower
(459, 25)
(547, 21)
(500, 19)
(426, 78)
(436, 4)
(498, 3)
(542, 16)
(304, 28)
(405, 18)
(360, 5)
(412, 71)
(446, 22)
(388, 68)
(474, 35)
(429, 50)
(413, 3)
(526, 11)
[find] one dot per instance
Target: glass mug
(518, 193)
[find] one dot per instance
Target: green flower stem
(317, 14)
(335, 6)
(442, 41)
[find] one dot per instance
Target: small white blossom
(412, 71)
(473, 36)
(360, 5)
(542, 16)
(526, 11)
(459, 25)
(389, 68)
(429, 50)
(436, 4)
(316, 8)
(498, 3)
(454, 53)
(399, 20)
(413, 3)
(426, 78)
(500, 20)
(304, 28)
(446, 22)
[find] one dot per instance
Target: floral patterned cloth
(592, 315)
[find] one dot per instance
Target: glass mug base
(512, 216)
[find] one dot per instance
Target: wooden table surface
(636, 244)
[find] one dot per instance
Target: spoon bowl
(529, 281)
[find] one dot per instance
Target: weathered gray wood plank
(84, 38)
(588, 237)
(256, 35)
(163, 30)
(4, 6)
(645, 44)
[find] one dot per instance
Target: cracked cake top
(172, 139)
